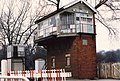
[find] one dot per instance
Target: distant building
(16, 57)
(69, 35)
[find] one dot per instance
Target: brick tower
(69, 36)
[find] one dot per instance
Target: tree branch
(30, 35)
(52, 2)
(101, 2)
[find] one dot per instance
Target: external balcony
(64, 31)
(65, 24)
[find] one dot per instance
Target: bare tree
(98, 4)
(56, 3)
(107, 6)
(17, 19)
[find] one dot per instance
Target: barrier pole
(40, 72)
(8, 74)
(14, 77)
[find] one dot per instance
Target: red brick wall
(83, 57)
(57, 48)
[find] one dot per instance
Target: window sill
(67, 66)
(53, 67)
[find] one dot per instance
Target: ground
(94, 80)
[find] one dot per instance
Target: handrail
(65, 29)
(14, 77)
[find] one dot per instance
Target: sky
(103, 40)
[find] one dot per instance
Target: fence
(36, 75)
(109, 70)
(42, 75)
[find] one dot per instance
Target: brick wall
(83, 57)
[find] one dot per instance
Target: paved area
(94, 80)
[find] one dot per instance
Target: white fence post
(4, 67)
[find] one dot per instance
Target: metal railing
(76, 28)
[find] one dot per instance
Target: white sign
(20, 48)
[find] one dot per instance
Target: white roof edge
(76, 1)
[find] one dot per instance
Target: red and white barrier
(11, 78)
(49, 75)
(43, 75)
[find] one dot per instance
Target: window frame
(68, 60)
(84, 42)
(53, 62)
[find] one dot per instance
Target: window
(70, 19)
(89, 20)
(77, 18)
(86, 23)
(67, 59)
(40, 25)
(53, 61)
(83, 19)
(90, 28)
(84, 42)
(67, 20)
(83, 14)
(53, 21)
(45, 23)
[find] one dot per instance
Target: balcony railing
(76, 28)
(65, 29)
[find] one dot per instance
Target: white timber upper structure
(76, 17)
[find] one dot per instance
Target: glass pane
(84, 28)
(53, 21)
(84, 42)
(68, 61)
(89, 20)
(53, 62)
(67, 20)
(90, 28)
(77, 18)
(78, 28)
